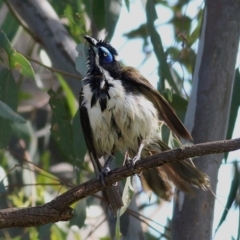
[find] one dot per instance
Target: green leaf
(231, 196)
(74, 12)
(61, 129)
(10, 26)
(79, 214)
(167, 92)
(79, 146)
(128, 193)
(181, 23)
(8, 88)
(8, 95)
(164, 71)
(5, 133)
(2, 187)
(60, 233)
(196, 32)
(26, 132)
(127, 2)
(98, 13)
(5, 44)
(78, 138)
(44, 231)
(235, 104)
(15, 61)
(118, 234)
(139, 32)
(112, 14)
(69, 95)
(18, 62)
(7, 113)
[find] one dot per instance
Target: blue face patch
(105, 55)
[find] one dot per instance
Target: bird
(120, 111)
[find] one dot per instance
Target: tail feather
(190, 174)
(113, 198)
(183, 174)
(156, 180)
(111, 194)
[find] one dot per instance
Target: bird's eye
(105, 55)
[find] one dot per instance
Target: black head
(103, 57)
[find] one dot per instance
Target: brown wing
(87, 132)
(166, 112)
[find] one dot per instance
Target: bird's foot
(102, 176)
(131, 162)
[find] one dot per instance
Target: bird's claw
(102, 176)
(131, 162)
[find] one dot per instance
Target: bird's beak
(93, 43)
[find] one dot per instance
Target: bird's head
(103, 58)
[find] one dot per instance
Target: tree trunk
(208, 111)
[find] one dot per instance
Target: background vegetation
(42, 151)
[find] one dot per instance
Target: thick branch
(59, 208)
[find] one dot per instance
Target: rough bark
(208, 110)
(59, 208)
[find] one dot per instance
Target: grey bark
(208, 110)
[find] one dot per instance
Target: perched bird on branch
(121, 111)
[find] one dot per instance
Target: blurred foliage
(42, 150)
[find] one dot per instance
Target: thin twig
(53, 69)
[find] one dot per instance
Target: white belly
(135, 117)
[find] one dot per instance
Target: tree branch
(59, 208)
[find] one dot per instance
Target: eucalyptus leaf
(235, 104)
(164, 71)
(128, 194)
(18, 62)
(71, 100)
(2, 187)
(127, 2)
(10, 26)
(78, 139)
(118, 235)
(79, 214)
(44, 231)
(8, 95)
(61, 129)
(231, 196)
(7, 113)
(5, 44)
(98, 14)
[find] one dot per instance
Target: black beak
(91, 41)
(92, 51)
(93, 44)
